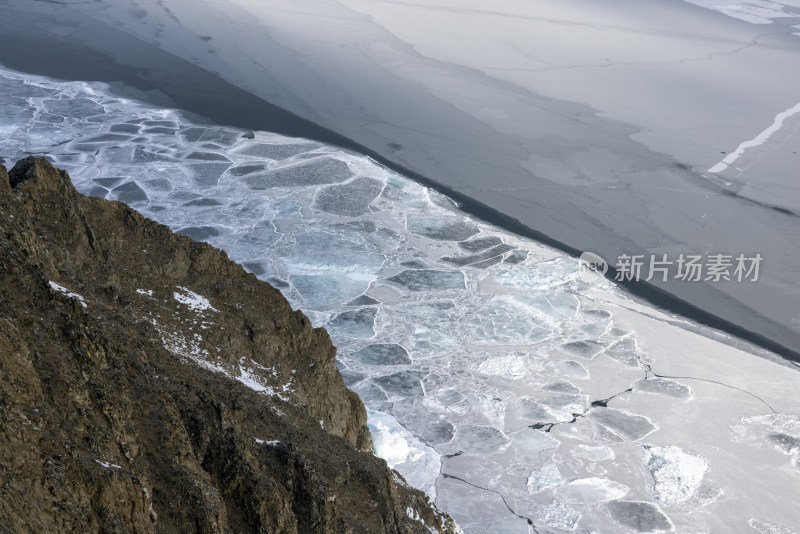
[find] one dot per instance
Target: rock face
(148, 384)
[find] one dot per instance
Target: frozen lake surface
(519, 396)
(605, 126)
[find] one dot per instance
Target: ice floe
(418, 463)
(639, 516)
(662, 386)
(591, 490)
(545, 477)
(676, 474)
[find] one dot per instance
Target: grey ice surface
(595, 124)
(382, 354)
(639, 516)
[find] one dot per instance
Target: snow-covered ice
(557, 515)
(676, 474)
(763, 526)
(754, 11)
(418, 463)
(593, 453)
(544, 478)
(591, 490)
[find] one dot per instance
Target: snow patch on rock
(67, 292)
(195, 302)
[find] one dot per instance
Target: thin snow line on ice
(760, 139)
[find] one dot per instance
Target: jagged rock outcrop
(149, 384)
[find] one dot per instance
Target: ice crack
(649, 371)
(505, 502)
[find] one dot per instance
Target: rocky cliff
(149, 384)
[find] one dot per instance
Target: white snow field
(522, 398)
(756, 11)
(594, 123)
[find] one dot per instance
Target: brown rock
(121, 408)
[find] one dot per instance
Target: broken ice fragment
(518, 256)
(624, 351)
(505, 320)
(404, 383)
(480, 243)
(316, 171)
(245, 169)
(442, 227)
(785, 443)
(544, 478)
(130, 192)
(460, 261)
(352, 377)
(449, 396)
(382, 354)
(481, 439)
(419, 464)
(363, 300)
(593, 453)
(561, 387)
(354, 323)
(277, 151)
(591, 490)
(485, 264)
(77, 108)
(570, 369)
(429, 280)
(624, 424)
(557, 515)
(351, 198)
(511, 366)
(662, 386)
(369, 392)
(206, 156)
(585, 348)
(768, 527)
(639, 516)
(676, 475)
(437, 432)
